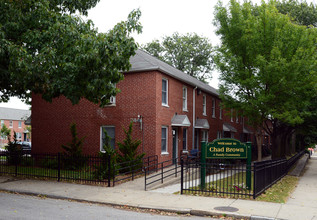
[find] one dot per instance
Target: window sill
(185, 151)
(110, 105)
(167, 106)
(185, 110)
(164, 153)
(214, 116)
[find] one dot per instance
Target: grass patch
(279, 192)
(232, 186)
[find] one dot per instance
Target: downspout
(194, 107)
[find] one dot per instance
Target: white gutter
(194, 107)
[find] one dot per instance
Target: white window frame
(231, 115)
(213, 107)
(18, 135)
(204, 105)
(204, 135)
(11, 124)
(185, 142)
(20, 124)
(166, 92)
(185, 98)
(101, 132)
(166, 140)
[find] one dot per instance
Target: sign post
(226, 148)
(203, 165)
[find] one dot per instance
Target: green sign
(226, 149)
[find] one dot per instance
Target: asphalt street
(15, 206)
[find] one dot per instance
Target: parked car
(25, 146)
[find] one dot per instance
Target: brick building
(172, 113)
(14, 119)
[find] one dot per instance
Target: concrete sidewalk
(301, 206)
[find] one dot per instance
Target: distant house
(14, 119)
(172, 113)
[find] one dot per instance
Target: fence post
(162, 172)
(182, 175)
(109, 169)
(15, 157)
(248, 176)
(176, 167)
(203, 165)
(59, 166)
(145, 178)
(254, 182)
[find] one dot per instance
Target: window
(19, 135)
(112, 100)
(20, 124)
(110, 130)
(164, 140)
(11, 124)
(218, 134)
(164, 92)
(213, 108)
(204, 104)
(231, 115)
(204, 137)
(184, 98)
(237, 117)
(2, 123)
(185, 139)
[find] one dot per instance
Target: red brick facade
(141, 95)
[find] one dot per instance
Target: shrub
(72, 157)
(128, 152)
(102, 171)
(14, 151)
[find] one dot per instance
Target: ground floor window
(110, 131)
(204, 137)
(164, 139)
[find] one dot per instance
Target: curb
(173, 210)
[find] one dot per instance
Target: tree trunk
(293, 144)
(258, 137)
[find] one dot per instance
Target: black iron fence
(156, 173)
(87, 168)
(230, 180)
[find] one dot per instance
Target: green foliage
(267, 64)
(47, 49)
(102, 171)
(128, 154)
(5, 132)
(14, 155)
(302, 12)
(189, 53)
(72, 157)
(49, 162)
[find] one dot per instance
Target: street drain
(226, 209)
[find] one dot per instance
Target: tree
(5, 132)
(302, 12)
(189, 53)
(128, 151)
(73, 157)
(267, 65)
(45, 48)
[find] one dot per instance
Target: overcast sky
(159, 19)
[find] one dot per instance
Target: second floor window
(204, 105)
(185, 98)
(231, 115)
(164, 92)
(20, 124)
(220, 113)
(11, 124)
(213, 108)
